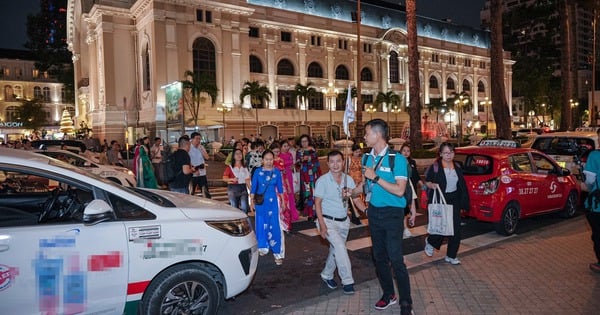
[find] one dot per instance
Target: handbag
(440, 215)
(259, 199)
(296, 181)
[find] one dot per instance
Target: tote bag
(296, 181)
(440, 215)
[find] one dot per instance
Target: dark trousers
(453, 241)
(386, 227)
(594, 220)
(201, 182)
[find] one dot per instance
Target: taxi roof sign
(498, 143)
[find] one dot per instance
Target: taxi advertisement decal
(7, 276)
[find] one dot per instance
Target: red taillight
(489, 186)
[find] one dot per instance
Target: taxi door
(551, 195)
(58, 266)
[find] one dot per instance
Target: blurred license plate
(561, 163)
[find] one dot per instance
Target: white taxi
(117, 174)
(72, 242)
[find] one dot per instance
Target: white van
(569, 149)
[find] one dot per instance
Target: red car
(507, 184)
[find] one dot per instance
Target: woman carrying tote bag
(447, 174)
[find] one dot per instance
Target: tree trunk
(498, 90)
(565, 65)
(414, 86)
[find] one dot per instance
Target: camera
(199, 167)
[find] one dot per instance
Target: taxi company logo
(7, 275)
(9, 124)
(553, 187)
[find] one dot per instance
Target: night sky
(13, 16)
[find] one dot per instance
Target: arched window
(394, 71)
(480, 87)
(8, 92)
(18, 91)
(46, 92)
(285, 67)
(433, 82)
(146, 67)
(204, 58)
(341, 73)
(255, 65)
(450, 84)
(37, 92)
(12, 113)
(366, 75)
(315, 70)
(466, 85)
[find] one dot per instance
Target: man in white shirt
(156, 157)
(198, 156)
(332, 191)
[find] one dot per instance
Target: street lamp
(223, 110)
(331, 96)
(574, 104)
(487, 105)
(531, 115)
(396, 111)
(460, 103)
(371, 110)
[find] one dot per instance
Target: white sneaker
(453, 261)
(407, 233)
(428, 248)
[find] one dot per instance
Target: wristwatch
(376, 179)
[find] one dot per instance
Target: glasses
(448, 153)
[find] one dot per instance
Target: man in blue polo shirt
(332, 221)
(385, 192)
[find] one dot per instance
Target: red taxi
(507, 183)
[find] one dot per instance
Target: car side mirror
(564, 172)
(87, 164)
(96, 212)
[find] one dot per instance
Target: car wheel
(183, 289)
(509, 220)
(570, 206)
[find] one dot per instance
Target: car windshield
(563, 145)
(475, 164)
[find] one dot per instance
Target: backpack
(170, 168)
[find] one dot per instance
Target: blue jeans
(387, 227)
(238, 196)
(183, 190)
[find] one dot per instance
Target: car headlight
(240, 227)
(125, 170)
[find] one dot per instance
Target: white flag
(349, 112)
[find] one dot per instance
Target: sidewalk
(541, 272)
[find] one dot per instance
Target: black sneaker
(384, 302)
(348, 289)
(330, 283)
(406, 309)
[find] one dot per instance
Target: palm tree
(498, 92)
(302, 93)
(193, 86)
(259, 94)
(414, 85)
(390, 99)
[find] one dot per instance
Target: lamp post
(543, 114)
(574, 105)
(531, 115)
(331, 95)
(396, 111)
(487, 105)
(371, 109)
(460, 103)
(223, 110)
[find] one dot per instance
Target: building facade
(126, 52)
(20, 80)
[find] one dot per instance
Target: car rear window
(475, 164)
(563, 145)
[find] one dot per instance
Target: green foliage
(32, 114)
(259, 94)
(193, 86)
(390, 98)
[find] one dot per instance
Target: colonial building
(20, 80)
(126, 52)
